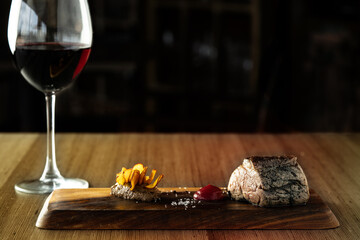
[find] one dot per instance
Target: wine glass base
(42, 187)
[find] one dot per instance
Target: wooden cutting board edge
(74, 219)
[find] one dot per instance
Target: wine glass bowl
(50, 41)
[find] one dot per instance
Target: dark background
(203, 66)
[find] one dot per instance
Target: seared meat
(234, 186)
(141, 194)
(270, 181)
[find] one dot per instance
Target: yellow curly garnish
(136, 176)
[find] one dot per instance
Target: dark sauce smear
(209, 193)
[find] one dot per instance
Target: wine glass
(50, 41)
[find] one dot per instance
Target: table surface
(331, 162)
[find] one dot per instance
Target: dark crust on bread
(260, 162)
(272, 181)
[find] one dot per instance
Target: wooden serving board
(95, 208)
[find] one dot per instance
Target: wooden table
(330, 161)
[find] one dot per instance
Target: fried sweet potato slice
(155, 183)
(120, 177)
(127, 174)
(139, 167)
(152, 175)
(142, 175)
(135, 179)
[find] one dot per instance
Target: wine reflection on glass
(50, 41)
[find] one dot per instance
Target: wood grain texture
(96, 208)
(330, 162)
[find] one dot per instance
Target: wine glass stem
(51, 172)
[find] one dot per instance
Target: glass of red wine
(50, 41)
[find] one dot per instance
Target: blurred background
(203, 66)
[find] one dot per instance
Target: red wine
(51, 67)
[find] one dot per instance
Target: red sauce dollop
(209, 193)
